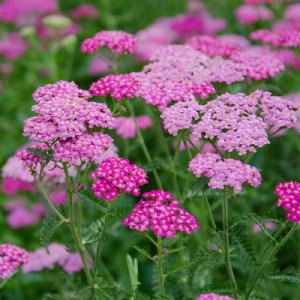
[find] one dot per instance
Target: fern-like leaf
(143, 252)
(88, 198)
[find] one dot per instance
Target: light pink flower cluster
(118, 42)
(292, 13)
(41, 259)
(289, 193)
(296, 99)
(31, 161)
(87, 11)
(10, 186)
(255, 2)
(11, 257)
(224, 172)
(238, 41)
(84, 148)
(121, 86)
(117, 175)
(159, 212)
(212, 46)
(250, 14)
(278, 37)
(12, 46)
(212, 296)
(20, 215)
(126, 127)
(12, 11)
(258, 66)
(180, 116)
(232, 120)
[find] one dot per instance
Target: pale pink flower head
(212, 296)
(292, 13)
(296, 99)
(267, 225)
(11, 257)
(58, 197)
(121, 86)
(211, 46)
(97, 66)
(119, 42)
(85, 11)
(224, 173)
(289, 199)
(238, 41)
(117, 175)
(250, 14)
(159, 212)
(12, 46)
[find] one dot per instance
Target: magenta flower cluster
(116, 175)
(213, 296)
(121, 86)
(250, 14)
(160, 213)
(118, 42)
(224, 172)
(289, 193)
(11, 257)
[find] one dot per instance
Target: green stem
(226, 245)
(160, 268)
(267, 261)
(143, 145)
(50, 203)
(75, 234)
(98, 252)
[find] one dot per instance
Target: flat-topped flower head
(12, 46)
(180, 116)
(87, 147)
(160, 213)
(257, 65)
(121, 86)
(213, 296)
(64, 112)
(11, 257)
(289, 193)
(119, 42)
(224, 173)
(250, 14)
(116, 175)
(212, 46)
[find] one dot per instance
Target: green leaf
(197, 187)
(46, 154)
(143, 252)
(174, 250)
(50, 224)
(285, 278)
(179, 267)
(132, 266)
(93, 231)
(88, 198)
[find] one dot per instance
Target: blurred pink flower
(87, 11)
(12, 46)
(250, 14)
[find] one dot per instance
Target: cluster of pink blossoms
(12, 46)
(41, 259)
(118, 42)
(241, 123)
(87, 11)
(212, 46)
(159, 212)
(121, 86)
(250, 14)
(258, 66)
(224, 172)
(213, 296)
(116, 175)
(256, 2)
(11, 257)
(289, 193)
(126, 127)
(64, 117)
(180, 116)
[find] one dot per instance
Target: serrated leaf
(197, 187)
(88, 197)
(174, 250)
(92, 232)
(285, 278)
(179, 267)
(143, 252)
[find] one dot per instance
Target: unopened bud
(57, 22)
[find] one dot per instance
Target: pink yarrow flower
(250, 14)
(117, 175)
(11, 257)
(87, 11)
(159, 212)
(119, 42)
(224, 172)
(212, 296)
(12, 46)
(289, 199)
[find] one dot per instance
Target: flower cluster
(180, 116)
(224, 172)
(126, 127)
(116, 175)
(250, 14)
(159, 212)
(289, 193)
(118, 42)
(56, 254)
(258, 66)
(31, 161)
(212, 46)
(12, 46)
(213, 296)
(11, 257)
(85, 11)
(121, 86)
